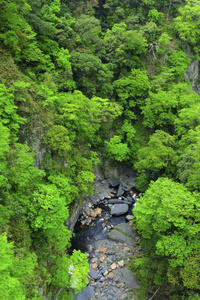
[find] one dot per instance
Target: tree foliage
(168, 215)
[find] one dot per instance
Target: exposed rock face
(110, 171)
(192, 72)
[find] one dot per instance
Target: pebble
(103, 250)
(102, 258)
(95, 266)
(113, 266)
(111, 275)
(121, 263)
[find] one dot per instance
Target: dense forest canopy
(81, 77)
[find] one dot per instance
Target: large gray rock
(86, 294)
(119, 209)
(123, 233)
(130, 280)
(116, 236)
(116, 201)
(126, 229)
(120, 191)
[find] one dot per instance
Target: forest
(86, 76)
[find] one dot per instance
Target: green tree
(132, 90)
(84, 127)
(8, 112)
(157, 159)
(57, 138)
(187, 23)
(161, 108)
(188, 166)
(89, 30)
(167, 217)
(10, 287)
(71, 272)
(48, 208)
(92, 76)
(123, 48)
(188, 118)
(116, 149)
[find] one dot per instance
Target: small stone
(120, 285)
(89, 248)
(129, 217)
(110, 297)
(103, 225)
(88, 222)
(103, 283)
(98, 211)
(103, 270)
(111, 275)
(93, 215)
(113, 266)
(103, 250)
(101, 259)
(94, 260)
(95, 266)
(121, 263)
(127, 249)
(105, 273)
(111, 195)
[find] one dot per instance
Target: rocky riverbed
(105, 233)
(109, 276)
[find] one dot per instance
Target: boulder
(118, 236)
(119, 209)
(115, 201)
(120, 191)
(127, 229)
(131, 281)
(87, 294)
